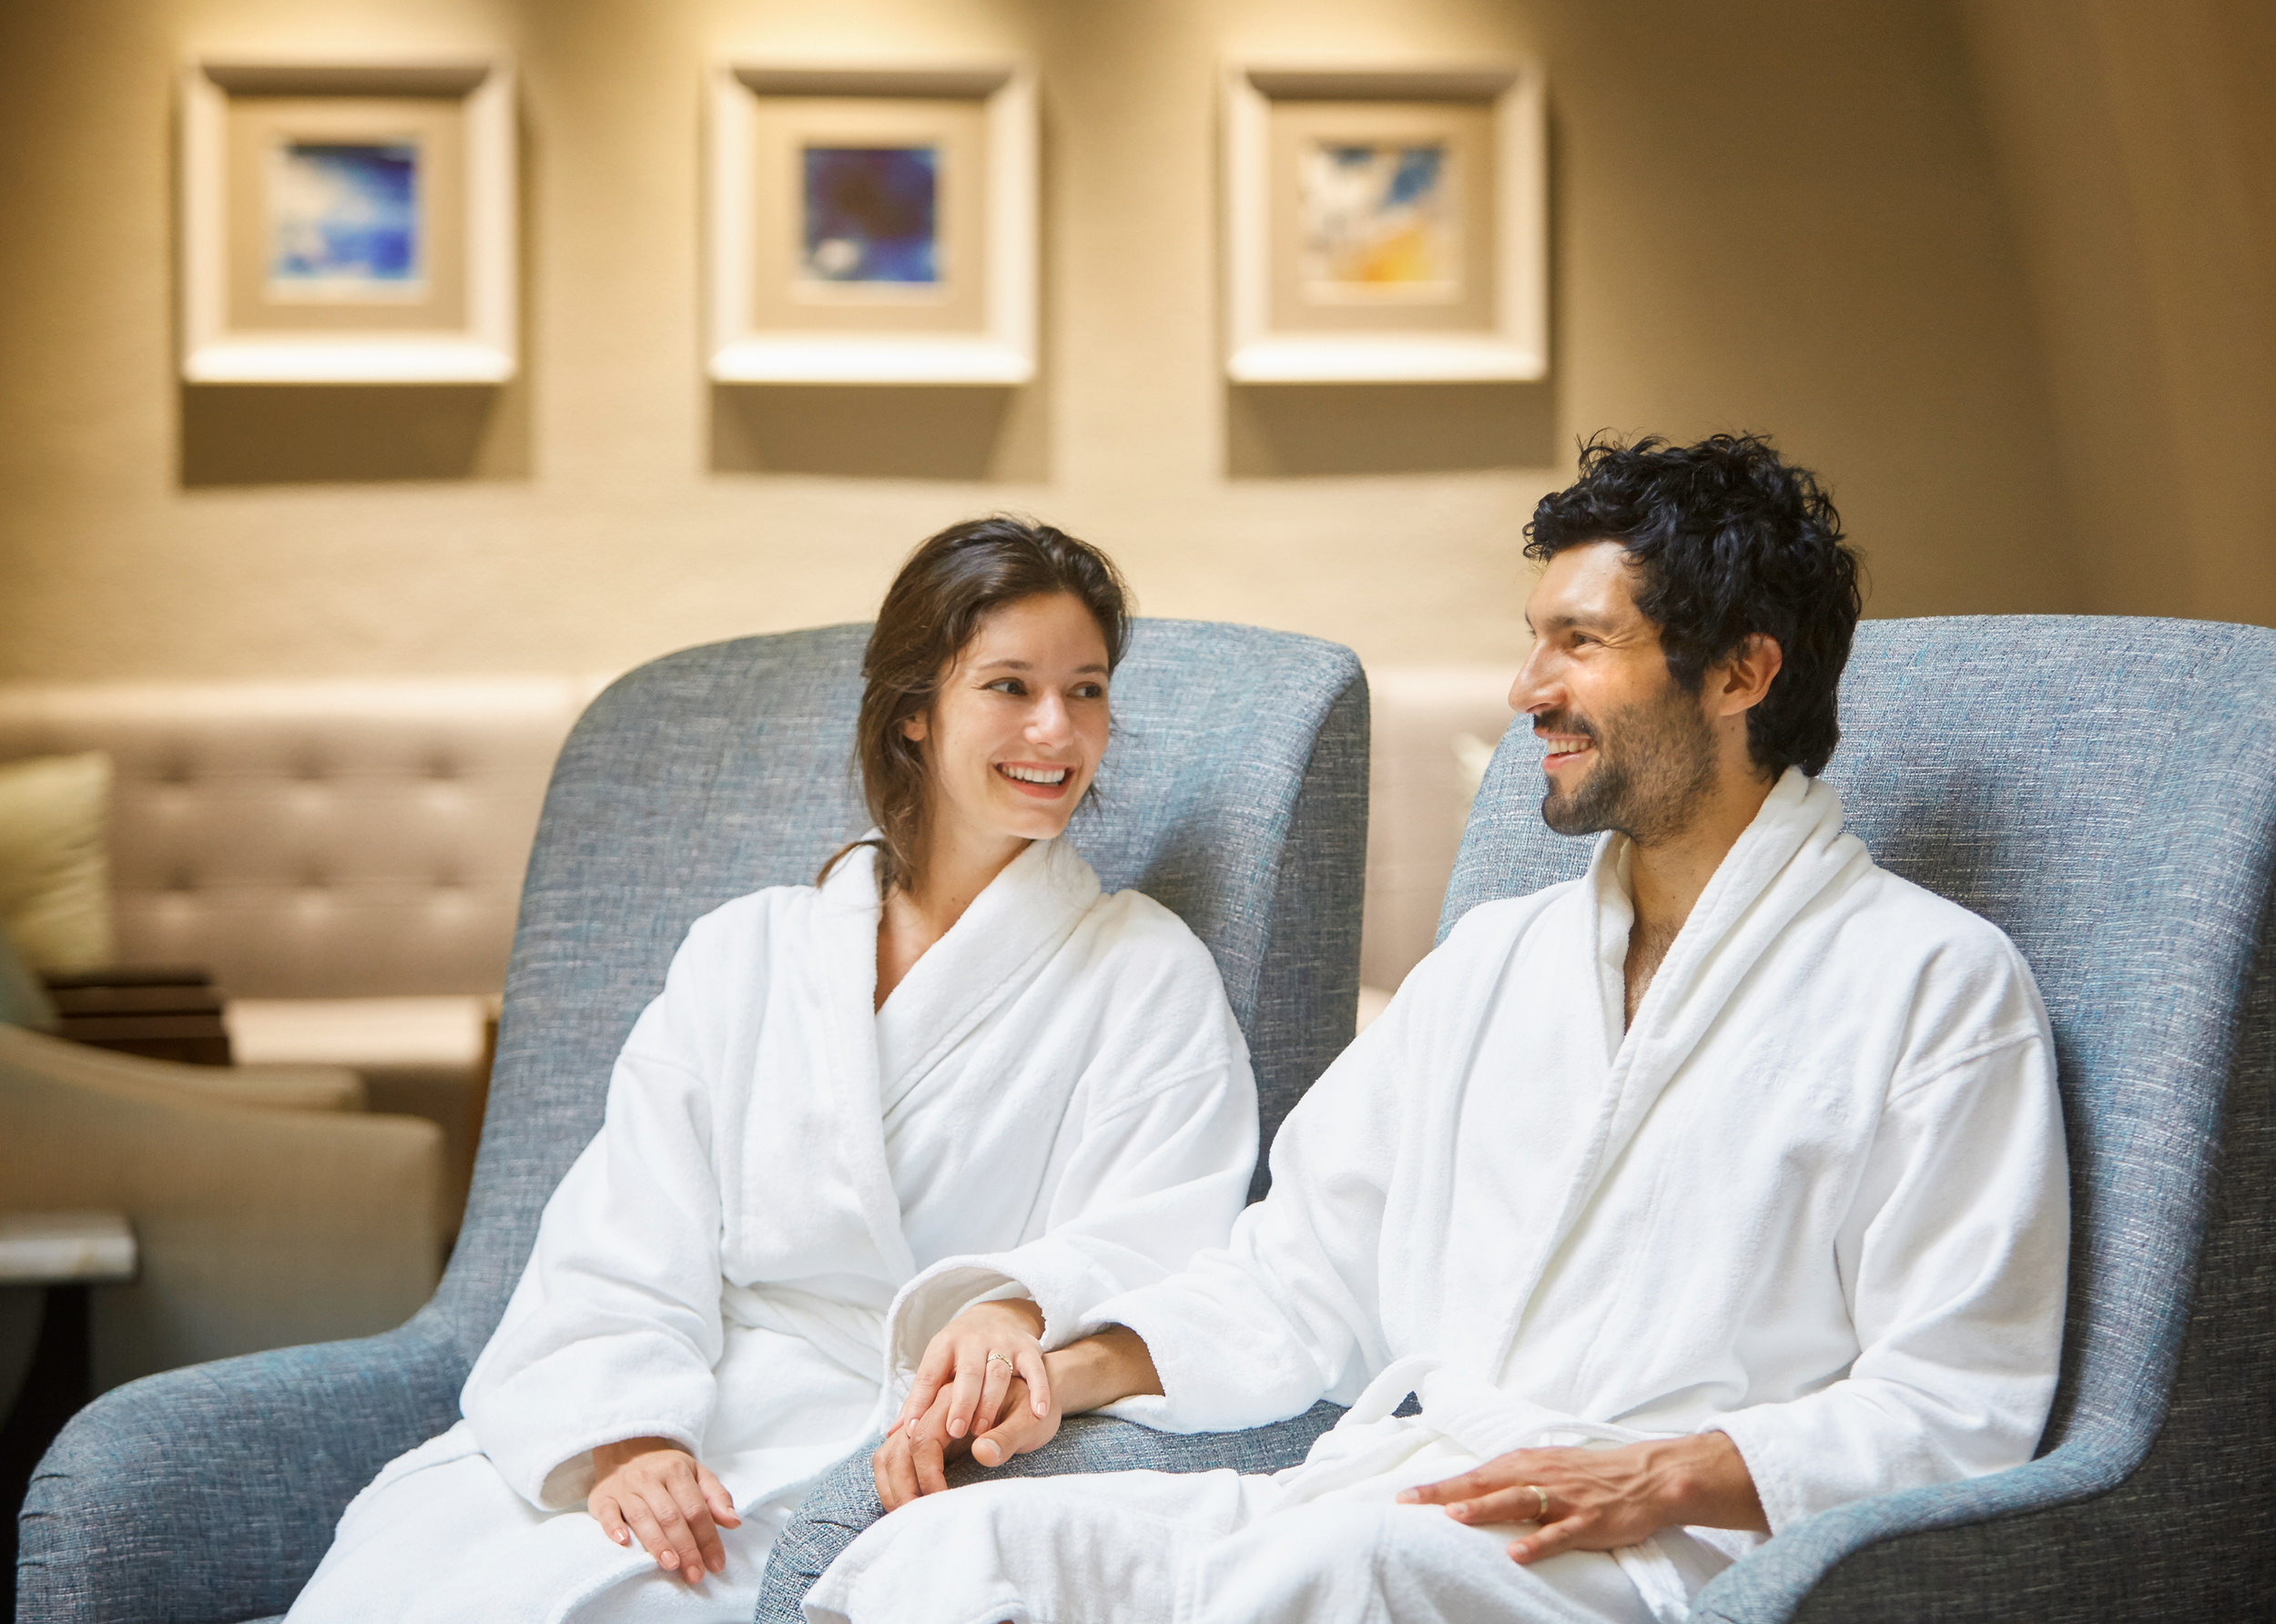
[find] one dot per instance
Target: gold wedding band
(1010, 1362)
(1542, 1514)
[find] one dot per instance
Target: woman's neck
(952, 874)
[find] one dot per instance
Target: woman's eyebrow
(1093, 669)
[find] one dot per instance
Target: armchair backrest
(1233, 792)
(2104, 790)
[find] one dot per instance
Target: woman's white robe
(1814, 1197)
(1056, 1097)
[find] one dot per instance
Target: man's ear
(1742, 680)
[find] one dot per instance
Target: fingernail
(1407, 1496)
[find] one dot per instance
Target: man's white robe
(1813, 1197)
(1056, 1097)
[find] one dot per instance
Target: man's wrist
(1703, 1482)
(1099, 1369)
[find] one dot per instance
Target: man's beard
(1655, 763)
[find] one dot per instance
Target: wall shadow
(911, 432)
(276, 433)
(1299, 431)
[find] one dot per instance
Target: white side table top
(61, 1248)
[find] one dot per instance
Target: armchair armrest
(844, 1499)
(1769, 1585)
(281, 1087)
(216, 1489)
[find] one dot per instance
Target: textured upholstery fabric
(2105, 791)
(314, 839)
(1235, 793)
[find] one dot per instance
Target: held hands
(1599, 1500)
(655, 1489)
(983, 1388)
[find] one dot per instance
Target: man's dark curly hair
(1730, 541)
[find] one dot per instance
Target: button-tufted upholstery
(317, 840)
(208, 1494)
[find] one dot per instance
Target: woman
(939, 1102)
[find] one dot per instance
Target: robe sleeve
(615, 1328)
(1288, 1311)
(1955, 1260)
(1157, 1171)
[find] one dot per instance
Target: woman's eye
(1091, 691)
(1008, 685)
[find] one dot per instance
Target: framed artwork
(348, 223)
(1386, 224)
(872, 225)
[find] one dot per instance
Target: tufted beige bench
(346, 858)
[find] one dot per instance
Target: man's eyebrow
(1564, 618)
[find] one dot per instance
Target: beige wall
(2136, 143)
(1788, 216)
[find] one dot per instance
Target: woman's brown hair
(951, 584)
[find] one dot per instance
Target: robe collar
(1025, 914)
(1793, 851)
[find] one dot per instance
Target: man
(1720, 1187)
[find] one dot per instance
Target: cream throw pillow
(54, 865)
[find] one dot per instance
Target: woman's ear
(913, 729)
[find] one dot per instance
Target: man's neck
(1666, 877)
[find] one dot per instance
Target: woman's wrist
(608, 1457)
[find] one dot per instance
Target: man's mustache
(1565, 722)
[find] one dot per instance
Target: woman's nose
(1048, 723)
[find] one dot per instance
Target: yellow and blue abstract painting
(1378, 219)
(344, 219)
(871, 215)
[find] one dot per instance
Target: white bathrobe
(1056, 1097)
(1814, 1197)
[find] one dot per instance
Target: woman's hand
(975, 1360)
(654, 1488)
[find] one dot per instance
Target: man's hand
(654, 1488)
(913, 1460)
(1599, 1500)
(1082, 1375)
(975, 1359)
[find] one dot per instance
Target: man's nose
(1534, 690)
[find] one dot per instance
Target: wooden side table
(67, 1253)
(166, 1011)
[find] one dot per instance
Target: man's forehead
(1590, 585)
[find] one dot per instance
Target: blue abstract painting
(872, 215)
(1377, 218)
(344, 219)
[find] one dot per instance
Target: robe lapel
(844, 979)
(1793, 850)
(1025, 914)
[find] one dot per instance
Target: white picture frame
(1509, 343)
(331, 339)
(994, 343)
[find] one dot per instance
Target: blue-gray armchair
(2104, 789)
(206, 1496)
